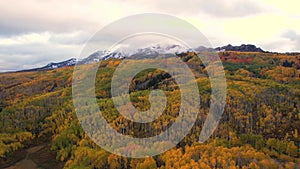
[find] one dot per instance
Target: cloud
(68, 16)
(34, 32)
(235, 8)
(53, 16)
(77, 38)
(277, 45)
(287, 40)
(15, 25)
(34, 50)
(215, 8)
(294, 37)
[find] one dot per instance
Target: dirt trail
(27, 162)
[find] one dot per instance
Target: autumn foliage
(259, 128)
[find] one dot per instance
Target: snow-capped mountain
(123, 52)
(50, 66)
(102, 55)
(150, 51)
(69, 62)
(163, 49)
(120, 53)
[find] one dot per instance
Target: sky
(36, 32)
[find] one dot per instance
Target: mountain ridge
(241, 48)
(147, 51)
(53, 65)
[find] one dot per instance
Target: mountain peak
(52, 65)
(241, 48)
(122, 52)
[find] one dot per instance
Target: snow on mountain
(163, 49)
(69, 62)
(123, 52)
(50, 66)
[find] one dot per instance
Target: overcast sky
(36, 32)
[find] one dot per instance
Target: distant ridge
(152, 50)
(51, 66)
(242, 48)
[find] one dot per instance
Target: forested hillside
(259, 128)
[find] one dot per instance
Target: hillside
(259, 128)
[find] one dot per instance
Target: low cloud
(294, 37)
(18, 54)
